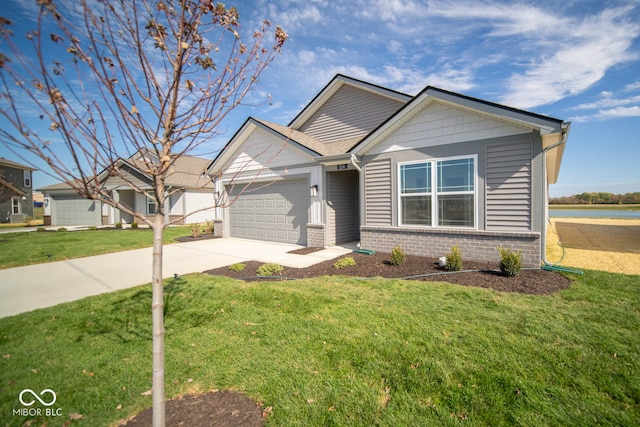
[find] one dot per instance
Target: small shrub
(196, 230)
(344, 263)
(208, 227)
(510, 262)
(237, 267)
(134, 224)
(397, 256)
(270, 269)
(41, 229)
(62, 229)
(454, 259)
(119, 224)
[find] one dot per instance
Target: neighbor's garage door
(275, 212)
(74, 210)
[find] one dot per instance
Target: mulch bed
(218, 408)
(485, 275)
(227, 409)
(195, 239)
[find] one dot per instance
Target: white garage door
(275, 212)
(74, 210)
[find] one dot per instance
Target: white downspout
(360, 193)
(353, 162)
(545, 210)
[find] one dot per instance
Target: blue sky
(574, 60)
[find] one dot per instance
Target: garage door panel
(75, 210)
(276, 212)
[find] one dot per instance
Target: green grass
(338, 351)
(17, 249)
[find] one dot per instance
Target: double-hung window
(438, 193)
(151, 206)
(16, 208)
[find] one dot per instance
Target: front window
(448, 203)
(456, 193)
(415, 193)
(151, 206)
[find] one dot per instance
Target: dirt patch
(305, 251)
(484, 275)
(186, 239)
(221, 408)
(604, 244)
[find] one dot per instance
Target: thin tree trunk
(157, 309)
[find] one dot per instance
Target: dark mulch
(228, 409)
(485, 275)
(219, 408)
(195, 239)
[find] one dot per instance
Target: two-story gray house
(365, 163)
(16, 191)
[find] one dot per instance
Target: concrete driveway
(31, 287)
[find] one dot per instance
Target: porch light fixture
(313, 190)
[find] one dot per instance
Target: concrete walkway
(27, 288)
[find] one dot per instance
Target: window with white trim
(438, 193)
(15, 205)
(27, 179)
(151, 206)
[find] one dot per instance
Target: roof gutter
(545, 205)
(354, 159)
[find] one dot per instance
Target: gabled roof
(320, 148)
(553, 130)
(187, 172)
(11, 187)
(333, 86)
(286, 134)
(15, 165)
(544, 124)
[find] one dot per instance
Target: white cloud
(608, 102)
(632, 86)
(611, 113)
(393, 10)
(557, 55)
(592, 47)
(295, 16)
(504, 19)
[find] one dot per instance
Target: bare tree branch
(98, 82)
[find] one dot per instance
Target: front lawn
(339, 351)
(25, 248)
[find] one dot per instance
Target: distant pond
(593, 213)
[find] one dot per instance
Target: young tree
(96, 81)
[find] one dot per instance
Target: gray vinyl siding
(350, 113)
(378, 192)
(342, 201)
(129, 178)
(509, 187)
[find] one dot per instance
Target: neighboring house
(369, 164)
(190, 189)
(16, 191)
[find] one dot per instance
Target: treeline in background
(600, 198)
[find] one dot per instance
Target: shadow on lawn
(129, 318)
